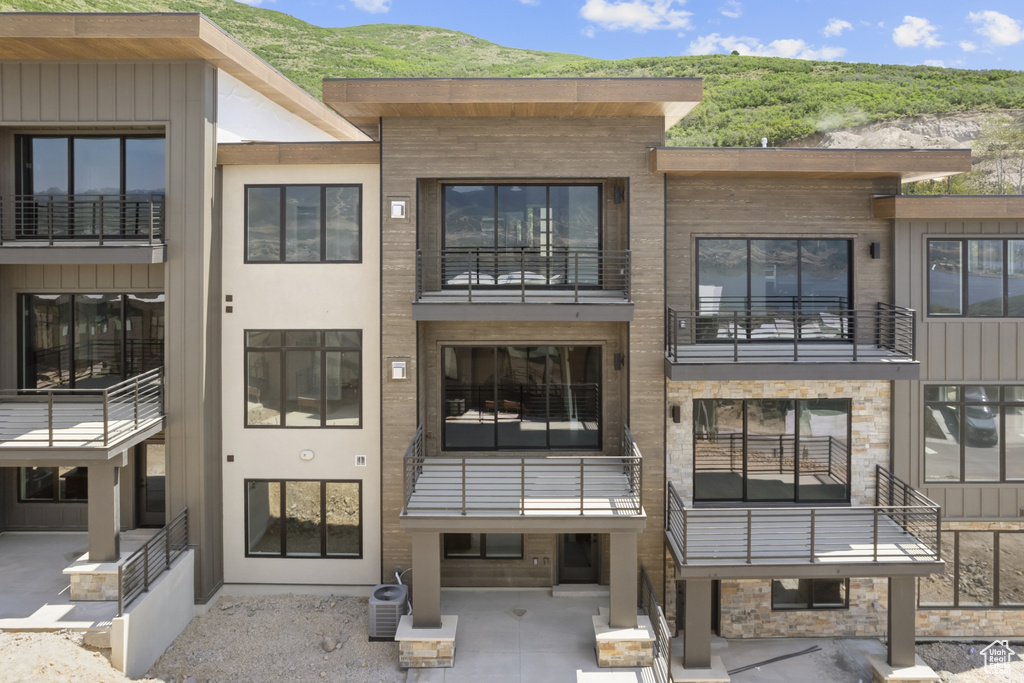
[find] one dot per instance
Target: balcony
(58, 229)
(899, 535)
(541, 284)
(534, 491)
(54, 426)
(779, 338)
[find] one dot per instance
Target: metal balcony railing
(902, 527)
(94, 218)
(824, 456)
(527, 272)
(811, 332)
(145, 565)
(662, 665)
(95, 417)
(523, 484)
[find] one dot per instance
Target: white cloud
(787, 47)
(997, 27)
(732, 9)
(588, 31)
(373, 6)
(934, 62)
(916, 32)
(837, 26)
(530, 2)
(637, 15)
(968, 46)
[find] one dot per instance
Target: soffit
(129, 37)
(949, 206)
(908, 165)
(367, 99)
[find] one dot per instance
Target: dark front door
(150, 486)
(579, 559)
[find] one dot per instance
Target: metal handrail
(515, 484)
(785, 334)
(648, 603)
(124, 407)
(806, 534)
(529, 272)
(53, 218)
(143, 567)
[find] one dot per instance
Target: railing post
(735, 336)
(106, 417)
(853, 333)
(812, 535)
(463, 486)
(522, 275)
(120, 589)
(581, 486)
(167, 548)
(522, 486)
(145, 566)
(874, 534)
(136, 385)
(796, 336)
(686, 554)
(49, 415)
(750, 535)
(152, 222)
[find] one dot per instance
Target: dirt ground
(314, 638)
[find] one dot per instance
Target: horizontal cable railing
(101, 218)
(83, 416)
(143, 567)
(891, 491)
(807, 333)
(521, 484)
(882, 533)
(662, 664)
(528, 272)
(579, 402)
(782, 453)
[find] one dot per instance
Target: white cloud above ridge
(916, 32)
(968, 46)
(636, 15)
(836, 27)
(373, 6)
(998, 28)
(731, 9)
(530, 2)
(787, 47)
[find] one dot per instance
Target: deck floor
(496, 486)
(77, 424)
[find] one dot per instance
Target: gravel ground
(964, 663)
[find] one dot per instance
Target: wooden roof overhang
(949, 206)
(31, 36)
(365, 100)
(908, 165)
(291, 153)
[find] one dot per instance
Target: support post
(623, 581)
(426, 579)
(697, 623)
(902, 613)
(104, 514)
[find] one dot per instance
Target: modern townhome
(494, 331)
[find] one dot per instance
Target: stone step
(579, 590)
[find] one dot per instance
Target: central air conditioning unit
(388, 604)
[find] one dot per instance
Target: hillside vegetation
(745, 98)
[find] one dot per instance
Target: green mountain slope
(745, 98)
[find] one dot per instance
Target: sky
(979, 34)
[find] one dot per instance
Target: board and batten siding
(544, 149)
(180, 96)
(952, 351)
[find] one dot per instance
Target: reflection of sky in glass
(50, 165)
(97, 166)
(144, 166)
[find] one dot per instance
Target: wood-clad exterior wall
(417, 152)
(767, 208)
(179, 97)
(952, 351)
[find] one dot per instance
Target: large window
(766, 274)
(303, 223)
(89, 341)
(53, 484)
(483, 546)
(789, 594)
(973, 433)
(303, 378)
(976, 277)
(983, 570)
(522, 397)
(298, 518)
(771, 449)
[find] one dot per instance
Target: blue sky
(980, 34)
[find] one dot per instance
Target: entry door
(150, 487)
(579, 559)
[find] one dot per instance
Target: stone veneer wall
(869, 424)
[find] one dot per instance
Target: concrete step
(579, 590)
